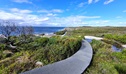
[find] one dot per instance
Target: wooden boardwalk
(75, 64)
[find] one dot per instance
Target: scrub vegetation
(20, 53)
(60, 32)
(105, 60)
(45, 50)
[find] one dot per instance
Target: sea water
(46, 30)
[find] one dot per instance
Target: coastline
(47, 30)
(44, 31)
(45, 35)
(49, 34)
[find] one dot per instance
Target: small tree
(7, 28)
(25, 32)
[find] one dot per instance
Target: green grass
(113, 42)
(46, 50)
(105, 61)
(60, 32)
(119, 38)
(56, 48)
(96, 31)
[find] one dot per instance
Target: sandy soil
(93, 37)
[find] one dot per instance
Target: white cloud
(121, 23)
(71, 20)
(101, 21)
(90, 1)
(108, 1)
(27, 18)
(98, 22)
(5, 15)
(96, 1)
(51, 14)
(119, 17)
(93, 1)
(81, 4)
(51, 11)
(22, 1)
(23, 18)
(124, 11)
(48, 19)
(57, 10)
(89, 17)
(16, 10)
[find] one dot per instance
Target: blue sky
(64, 12)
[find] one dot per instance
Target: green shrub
(105, 61)
(120, 38)
(60, 32)
(2, 46)
(2, 40)
(121, 68)
(107, 68)
(57, 49)
(112, 42)
(42, 41)
(96, 45)
(52, 40)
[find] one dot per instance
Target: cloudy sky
(64, 12)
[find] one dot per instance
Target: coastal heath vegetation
(46, 50)
(105, 60)
(60, 32)
(20, 52)
(29, 49)
(116, 37)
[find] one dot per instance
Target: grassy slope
(104, 60)
(46, 50)
(97, 31)
(49, 50)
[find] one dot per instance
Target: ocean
(46, 30)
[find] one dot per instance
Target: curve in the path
(75, 64)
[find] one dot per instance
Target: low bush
(2, 46)
(112, 42)
(105, 61)
(120, 38)
(46, 50)
(121, 68)
(60, 32)
(42, 41)
(58, 49)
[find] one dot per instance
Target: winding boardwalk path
(75, 64)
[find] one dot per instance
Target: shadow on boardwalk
(75, 64)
